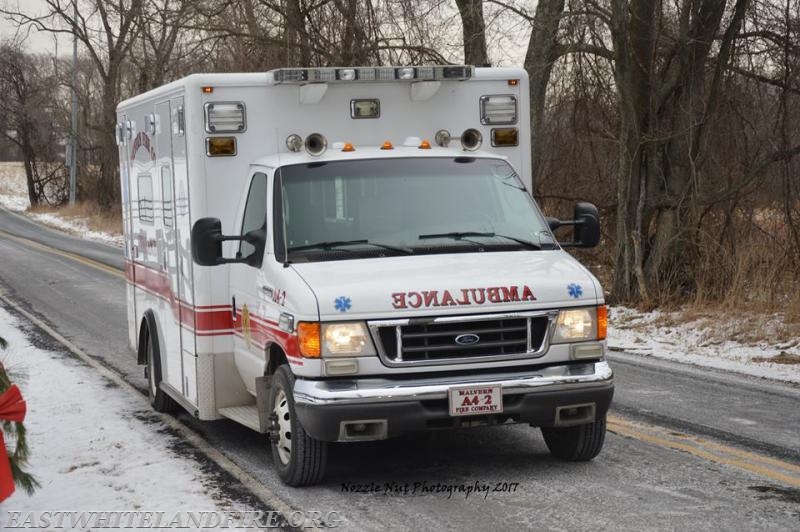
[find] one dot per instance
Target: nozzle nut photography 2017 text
(450, 490)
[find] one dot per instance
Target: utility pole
(73, 160)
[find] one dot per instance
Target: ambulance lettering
(465, 296)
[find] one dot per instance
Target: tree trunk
(107, 194)
(29, 161)
(539, 64)
(474, 29)
(633, 34)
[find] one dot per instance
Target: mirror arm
(571, 222)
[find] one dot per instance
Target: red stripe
(211, 320)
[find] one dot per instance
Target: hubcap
(283, 421)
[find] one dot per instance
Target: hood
(465, 283)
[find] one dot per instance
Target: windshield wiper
(467, 234)
(340, 243)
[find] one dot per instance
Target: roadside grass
(87, 213)
(782, 358)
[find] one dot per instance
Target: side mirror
(586, 226)
(207, 239)
(207, 242)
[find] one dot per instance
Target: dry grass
(93, 216)
(782, 358)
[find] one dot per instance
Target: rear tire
(580, 443)
(299, 459)
(159, 400)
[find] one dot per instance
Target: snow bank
(705, 341)
(77, 226)
(92, 446)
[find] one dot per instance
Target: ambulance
(351, 254)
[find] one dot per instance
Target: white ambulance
(383, 270)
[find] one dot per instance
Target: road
(687, 447)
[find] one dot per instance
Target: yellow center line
(49, 249)
(772, 468)
(777, 470)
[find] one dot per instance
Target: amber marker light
(513, 82)
(602, 322)
(208, 90)
(387, 146)
(348, 147)
(424, 145)
(308, 339)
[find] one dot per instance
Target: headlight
(346, 339)
(575, 325)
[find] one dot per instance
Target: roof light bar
(355, 75)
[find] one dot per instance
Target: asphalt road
(689, 447)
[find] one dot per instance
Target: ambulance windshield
(378, 207)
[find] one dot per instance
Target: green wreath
(16, 431)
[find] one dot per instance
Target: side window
(166, 196)
(145, 187)
(255, 212)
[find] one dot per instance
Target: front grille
(421, 340)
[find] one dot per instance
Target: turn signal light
(308, 339)
(348, 147)
(387, 146)
(424, 145)
(602, 322)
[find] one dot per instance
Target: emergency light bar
(330, 75)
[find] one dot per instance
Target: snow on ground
(744, 345)
(14, 197)
(77, 226)
(91, 446)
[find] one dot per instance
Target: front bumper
(390, 407)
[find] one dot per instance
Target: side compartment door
(183, 278)
(171, 359)
(127, 224)
(249, 342)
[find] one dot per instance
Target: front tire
(299, 459)
(159, 400)
(580, 443)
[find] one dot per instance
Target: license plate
(476, 400)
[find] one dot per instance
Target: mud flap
(263, 387)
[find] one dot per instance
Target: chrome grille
(422, 341)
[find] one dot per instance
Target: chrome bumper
(372, 390)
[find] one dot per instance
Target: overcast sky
(36, 41)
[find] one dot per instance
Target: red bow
(12, 408)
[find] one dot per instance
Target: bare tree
(107, 31)
(29, 119)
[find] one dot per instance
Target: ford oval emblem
(467, 339)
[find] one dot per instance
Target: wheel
(576, 444)
(159, 400)
(299, 459)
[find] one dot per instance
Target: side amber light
(602, 322)
(220, 146)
